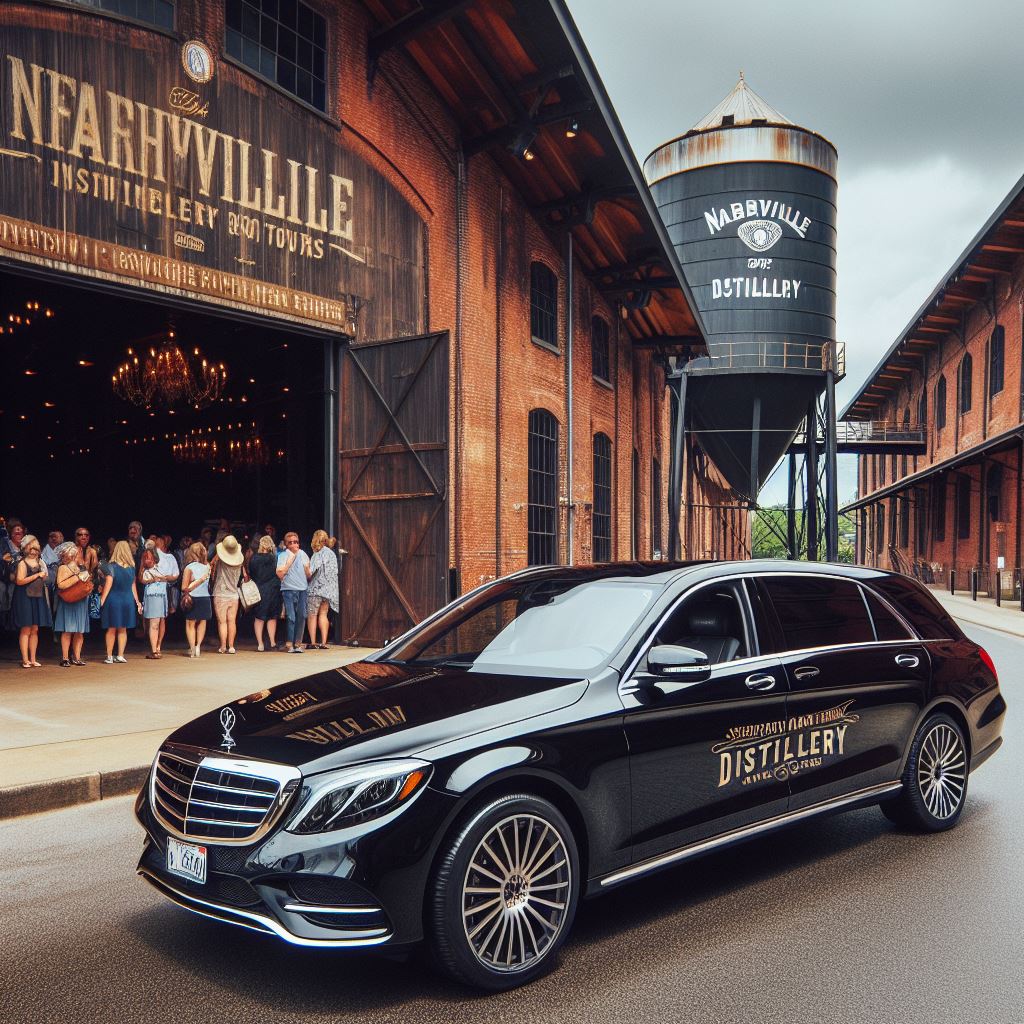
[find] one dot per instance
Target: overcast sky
(922, 100)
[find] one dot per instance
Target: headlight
(355, 795)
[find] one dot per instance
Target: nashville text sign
(115, 163)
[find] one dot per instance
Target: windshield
(550, 627)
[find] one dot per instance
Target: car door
(857, 680)
(700, 752)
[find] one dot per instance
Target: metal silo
(749, 201)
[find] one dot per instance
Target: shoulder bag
(248, 595)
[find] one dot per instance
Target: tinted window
(918, 607)
(818, 612)
(887, 626)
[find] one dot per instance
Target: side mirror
(683, 663)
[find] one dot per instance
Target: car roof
(664, 573)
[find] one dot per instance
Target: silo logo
(759, 235)
(759, 230)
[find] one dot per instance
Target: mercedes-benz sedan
(559, 732)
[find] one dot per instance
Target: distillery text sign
(115, 163)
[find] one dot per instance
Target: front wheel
(504, 893)
(934, 779)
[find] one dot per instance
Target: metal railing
(775, 355)
(852, 432)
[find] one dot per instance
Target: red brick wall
(986, 538)
(400, 126)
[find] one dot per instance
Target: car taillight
(990, 664)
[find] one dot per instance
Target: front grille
(218, 799)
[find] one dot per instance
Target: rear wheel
(934, 779)
(505, 893)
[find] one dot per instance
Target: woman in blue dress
(29, 608)
(119, 602)
(72, 617)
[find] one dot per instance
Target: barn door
(393, 483)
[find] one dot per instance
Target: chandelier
(168, 375)
(219, 450)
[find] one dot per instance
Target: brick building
(943, 413)
(432, 208)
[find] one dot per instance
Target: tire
(504, 894)
(934, 779)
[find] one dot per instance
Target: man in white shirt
(51, 559)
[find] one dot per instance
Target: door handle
(908, 660)
(806, 672)
(760, 681)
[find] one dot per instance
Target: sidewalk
(72, 735)
(983, 612)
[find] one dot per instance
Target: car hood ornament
(227, 721)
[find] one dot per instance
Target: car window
(710, 621)
(818, 611)
(918, 607)
(887, 626)
(547, 626)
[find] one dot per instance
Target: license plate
(186, 860)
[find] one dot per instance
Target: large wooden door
(393, 483)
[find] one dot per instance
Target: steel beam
(677, 385)
(811, 472)
(831, 484)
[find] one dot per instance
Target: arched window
(599, 350)
(964, 384)
(940, 403)
(996, 350)
(922, 409)
(906, 429)
(542, 489)
(543, 305)
(602, 518)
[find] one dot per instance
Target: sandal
(26, 664)
(152, 657)
(36, 664)
(260, 648)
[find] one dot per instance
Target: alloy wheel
(942, 771)
(516, 892)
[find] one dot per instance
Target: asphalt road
(840, 920)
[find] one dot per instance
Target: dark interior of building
(79, 450)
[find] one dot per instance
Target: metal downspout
(460, 258)
(570, 516)
(499, 280)
(677, 385)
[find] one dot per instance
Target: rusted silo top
(742, 128)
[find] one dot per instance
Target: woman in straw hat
(227, 570)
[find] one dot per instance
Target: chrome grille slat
(223, 799)
(233, 789)
(228, 807)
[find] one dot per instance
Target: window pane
(600, 349)
(542, 488)
(261, 33)
(602, 518)
(151, 12)
(887, 626)
(818, 612)
(543, 305)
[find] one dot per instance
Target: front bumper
(336, 890)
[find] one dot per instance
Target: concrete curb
(53, 794)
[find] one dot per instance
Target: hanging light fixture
(165, 374)
(238, 447)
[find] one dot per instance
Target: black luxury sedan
(558, 732)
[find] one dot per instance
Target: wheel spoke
(522, 938)
(479, 907)
(525, 855)
(548, 888)
(482, 890)
(495, 859)
(484, 871)
(530, 865)
(483, 924)
(547, 903)
(547, 924)
(547, 871)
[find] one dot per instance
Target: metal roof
(743, 106)
(989, 255)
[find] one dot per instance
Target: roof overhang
(518, 77)
(991, 255)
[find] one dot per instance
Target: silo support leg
(831, 483)
(791, 506)
(811, 473)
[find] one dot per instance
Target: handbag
(187, 600)
(78, 591)
(249, 595)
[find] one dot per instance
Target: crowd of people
(74, 588)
